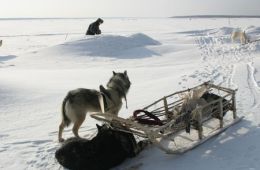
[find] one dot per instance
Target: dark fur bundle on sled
(209, 97)
(108, 149)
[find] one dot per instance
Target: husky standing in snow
(80, 101)
(240, 35)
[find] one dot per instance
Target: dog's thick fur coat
(80, 101)
(241, 35)
(108, 149)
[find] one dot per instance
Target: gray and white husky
(80, 101)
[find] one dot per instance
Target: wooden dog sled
(168, 124)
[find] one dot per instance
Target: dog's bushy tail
(66, 120)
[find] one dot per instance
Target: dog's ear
(102, 88)
(98, 127)
(125, 72)
(114, 73)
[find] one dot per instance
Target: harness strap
(105, 102)
(153, 121)
(101, 102)
(125, 102)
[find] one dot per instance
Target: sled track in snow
(253, 86)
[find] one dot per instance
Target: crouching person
(107, 149)
(94, 27)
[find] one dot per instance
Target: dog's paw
(61, 140)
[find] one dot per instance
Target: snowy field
(41, 60)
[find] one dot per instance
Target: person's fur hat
(100, 20)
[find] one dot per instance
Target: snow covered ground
(41, 60)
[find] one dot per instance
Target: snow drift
(114, 46)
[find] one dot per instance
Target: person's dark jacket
(94, 27)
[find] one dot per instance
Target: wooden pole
(234, 106)
(200, 129)
(221, 113)
(166, 108)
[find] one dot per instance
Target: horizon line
(216, 16)
(177, 16)
(13, 18)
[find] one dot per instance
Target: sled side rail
(227, 90)
(166, 107)
(215, 101)
(176, 93)
(170, 105)
(208, 84)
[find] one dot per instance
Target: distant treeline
(218, 16)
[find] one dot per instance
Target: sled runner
(183, 120)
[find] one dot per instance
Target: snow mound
(253, 30)
(107, 46)
(6, 58)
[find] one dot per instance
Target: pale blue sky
(126, 8)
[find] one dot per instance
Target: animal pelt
(209, 97)
(109, 148)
